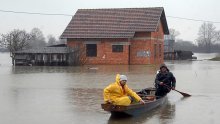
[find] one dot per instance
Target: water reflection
(161, 115)
(86, 69)
(88, 101)
(98, 76)
(45, 69)
(85, 99)
(55, 95)
(167, 114)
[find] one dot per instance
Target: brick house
(118, 36)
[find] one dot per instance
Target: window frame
(117, 48)
(91, 50)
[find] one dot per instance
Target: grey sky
(194, 9)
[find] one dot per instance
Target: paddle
(184, 94)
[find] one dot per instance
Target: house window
(117, 48)
(91, 50)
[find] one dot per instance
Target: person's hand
(161, 83)
(109, 102)
(142, 101)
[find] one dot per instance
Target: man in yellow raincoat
(118, 93)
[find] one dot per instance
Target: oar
(184, 94)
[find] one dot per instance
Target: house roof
(114, 23)
(45, 50)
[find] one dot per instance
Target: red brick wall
(106, 56)
(142, 41)
(104, 51)
(142, 34)
(140, 46)
(114, 57)
(158, 37)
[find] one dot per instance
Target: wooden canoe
(137, 108)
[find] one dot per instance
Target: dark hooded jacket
(167, 78)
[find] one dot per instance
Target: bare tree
(207, 36)
(15, 40)
(184, 45)
(218, 36)
(62, 41)
(170, 40)
(51, 40)
(38, 39)
(173, 34)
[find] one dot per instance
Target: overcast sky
(53, 24)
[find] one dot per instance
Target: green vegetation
(217, 58)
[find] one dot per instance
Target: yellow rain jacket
(118, 95)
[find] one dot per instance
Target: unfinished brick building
(118, 36)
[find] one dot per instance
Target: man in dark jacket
(165, 81)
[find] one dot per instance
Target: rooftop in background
(58, 45)
(46, 50)
(115, 23)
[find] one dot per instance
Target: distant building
(168, 43)
(47, 56)
(118, 36)
(3, 49)
(171, 54)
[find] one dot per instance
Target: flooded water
(72, 95)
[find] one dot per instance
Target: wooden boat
(151, 102)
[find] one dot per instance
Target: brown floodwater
(72, 95)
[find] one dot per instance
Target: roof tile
(114, 23)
